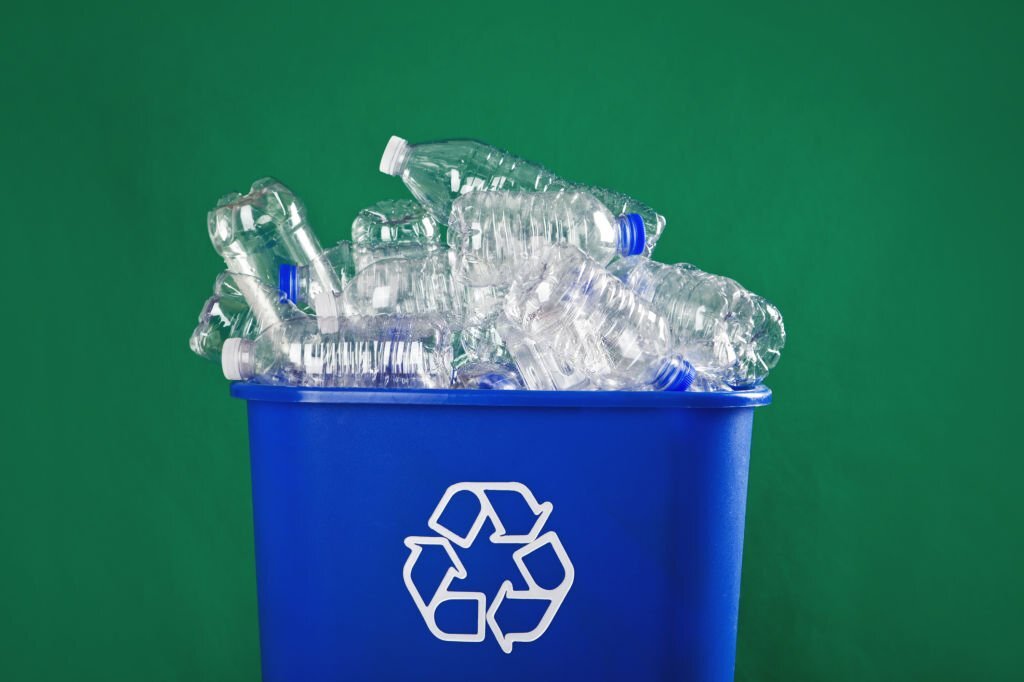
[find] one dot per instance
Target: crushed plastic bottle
(705, 383)
(729, 333)
(227, 314)
(487, 376)
(493, 234)
(483, 344)
(372, 352)
(436, 173)
(396, 286)
(300, 283)
(394, 227)
(255, 233)
(541, 368)
(497, 275)
(595, 322)
(482, 304)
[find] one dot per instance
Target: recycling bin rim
(754, 397)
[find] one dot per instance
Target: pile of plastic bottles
(497, 275)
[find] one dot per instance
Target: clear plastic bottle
(227, 314)
(373, 352)
(301, 284)
(483, 304)
(539, 366)
(255, 233)
(438, 172)
(728, 332)
(487, 376)
(568, 301)
(492, 234)
(483, 343)
(394, 227)
(397, 286)
(706, 383)
(623, 204)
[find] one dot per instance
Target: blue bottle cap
(288, 281)
(632, 236)
(676, 375)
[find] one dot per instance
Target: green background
(858, 164)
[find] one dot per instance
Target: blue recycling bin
(498, 535)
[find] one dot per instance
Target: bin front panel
(386, 533)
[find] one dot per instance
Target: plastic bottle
(478, 340)
(706, 383)
(438, 172)
(494, 233)
(483, 304)
(255, 233)
(568, 301)
(539, 366)
(374, 352)
(394, 227)
(227, 314)
(728, 332)
(396, 286)
(301, 284)
(487, 376)
(483, 343)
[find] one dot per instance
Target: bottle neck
(402, 160)
(264, 300)
(632, 237)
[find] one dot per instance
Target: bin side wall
(648, 505)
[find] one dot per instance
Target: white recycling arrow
(554, 596)
(531, 541)
(540, 511)
(429, 609)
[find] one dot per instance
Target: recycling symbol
(530, 541)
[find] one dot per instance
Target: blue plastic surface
(676, 375)
(633, 236)
(288, 281)
(644, 493)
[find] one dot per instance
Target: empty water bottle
(255, 233)
(227, 314)
(395, 227)
(301, 284)
(595, 322)
(539, 366)
(483, 343)
(374, 352)
(728, 332)
(487, 376)
(396, 286)
(707, 383)
(438, 172)
(482, 304)
(494, 233)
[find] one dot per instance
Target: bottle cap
(231, 359)
(288, 281)
(676, 375)
(327, 312)
(394, 153)
(632, 236)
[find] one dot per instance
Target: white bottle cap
(231, 360)
(327, 313)
(393, 155)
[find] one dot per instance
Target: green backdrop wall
(857, 163)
